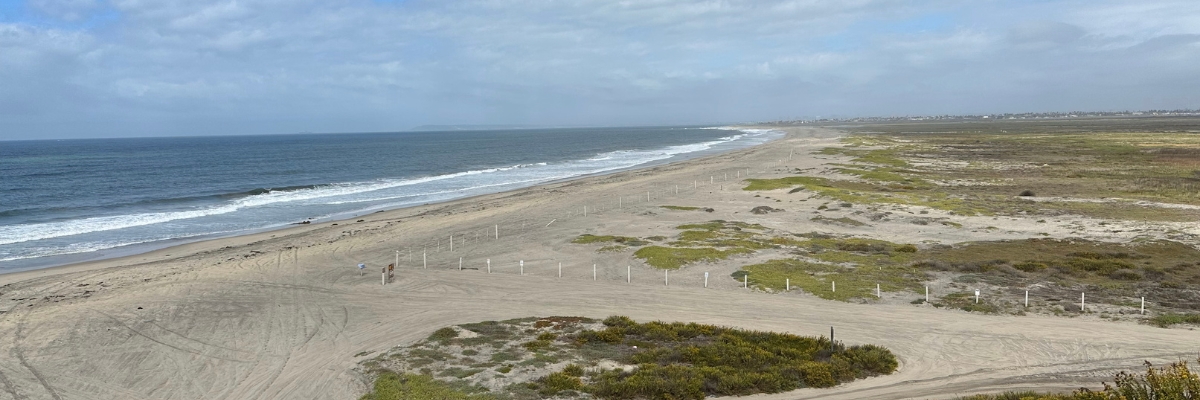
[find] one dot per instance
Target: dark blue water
(71, 200)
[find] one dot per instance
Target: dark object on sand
(303, 222)
(707, 209)
(764, 210)
(1027, 193)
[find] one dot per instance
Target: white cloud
(263, 66)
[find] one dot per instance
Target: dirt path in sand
(282, 315)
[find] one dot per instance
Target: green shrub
(906, 248)
(1166, 320)
(573, 370)
(557, 382)
(443, 334)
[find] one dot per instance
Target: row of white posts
(746, 282)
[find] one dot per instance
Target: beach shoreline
(193, 246)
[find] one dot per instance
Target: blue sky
(105, 68)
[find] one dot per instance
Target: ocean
(65, 201)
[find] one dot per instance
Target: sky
(130, 68)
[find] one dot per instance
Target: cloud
(176, 67)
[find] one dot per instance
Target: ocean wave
(439, 186)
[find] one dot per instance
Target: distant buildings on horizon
(1028, 115)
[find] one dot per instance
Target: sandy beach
(285, 314)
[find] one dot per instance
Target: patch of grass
(612, 249)
(1166, 320)
(625, 240)
(852, 282)
(675, 257)
(389, 385)
(681, 208)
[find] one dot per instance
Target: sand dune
(282, 315)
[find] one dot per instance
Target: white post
(878, 294)
(621, 202)
(628, 270)
(593, 272)
(424, 260)
(497, 231)
(451, 243)
(666, 278)
(706, 280)
(522, 267)
(383, 277)
(787, 285)
(832, 286)
(710, 179)
(460, 263)
(790, 153)
(1026, 299)
(489, 261)
(560, 270)
(397, 258)
(1082, 296)
(676, 190)
(695, 184)
(551, 222)
(726, 176)
(926, 294)
(1143, 305)
(585, 211)
(976, 296)
(647, 196)
(739, 175)
(746, 281)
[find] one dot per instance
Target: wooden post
(831, 338)
(460, 263)
(1143, 305)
